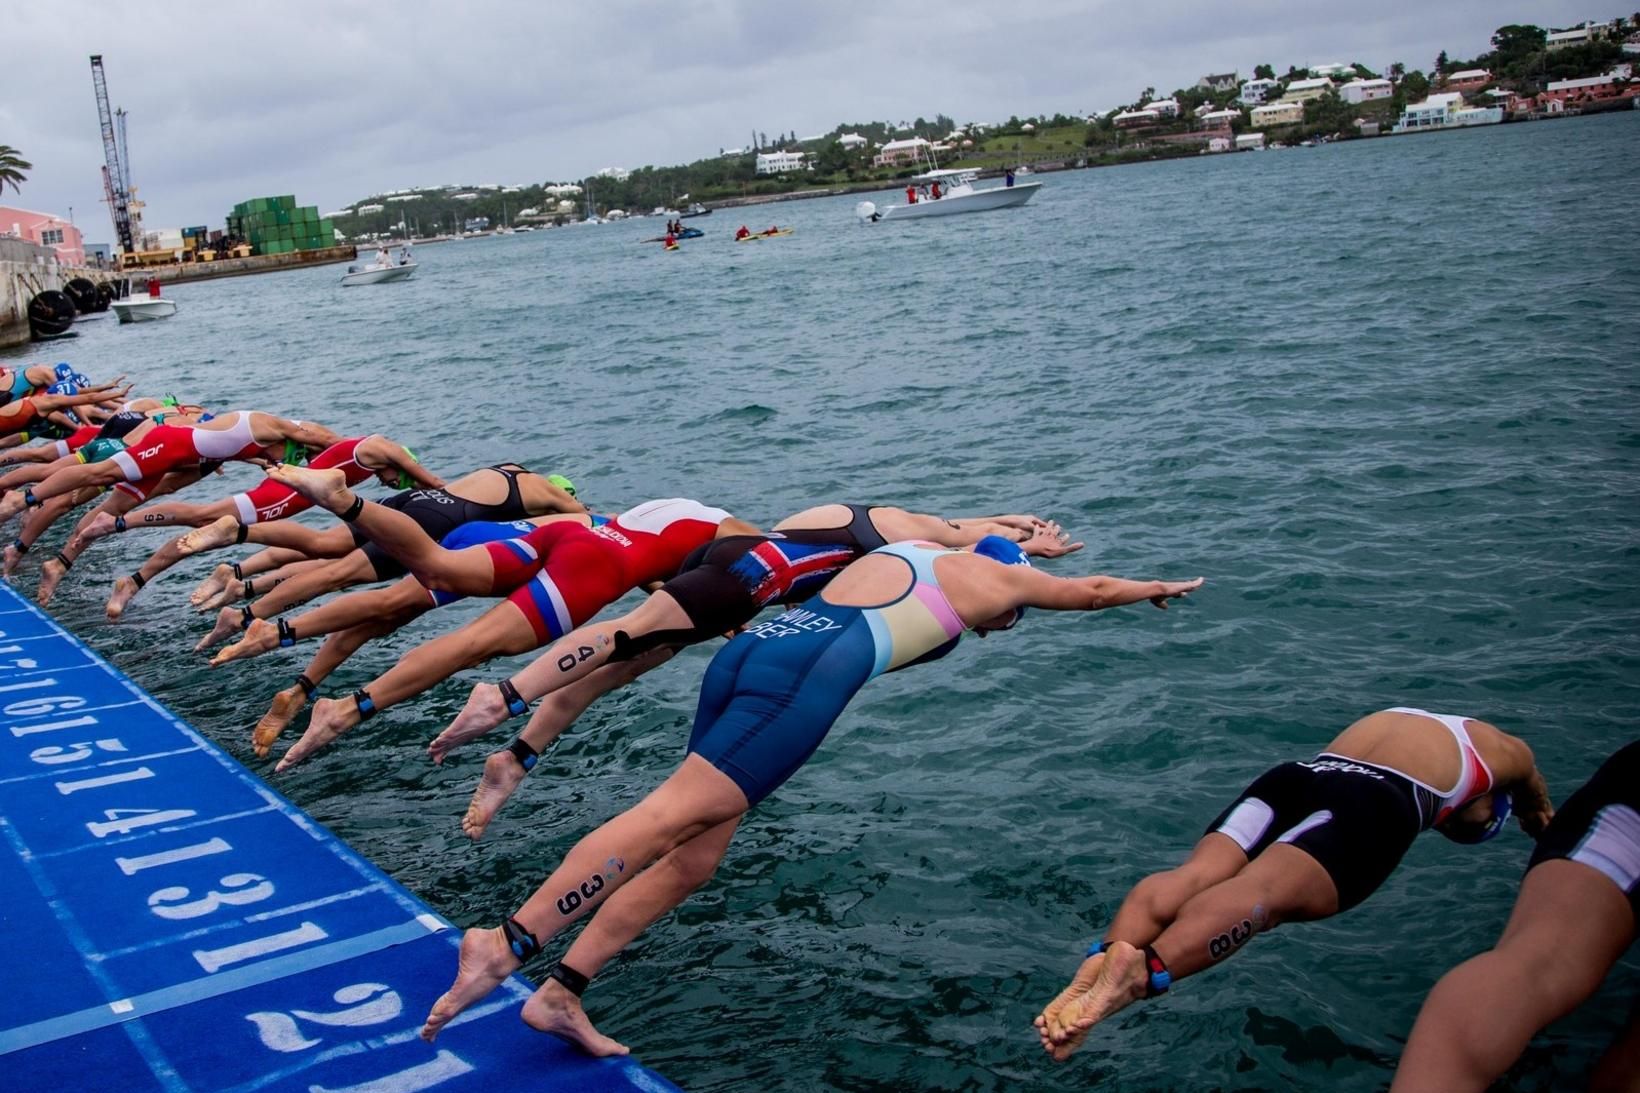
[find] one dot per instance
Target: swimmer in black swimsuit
(438, 512)
(1305, 841)
(721, 587)
(1576, 915)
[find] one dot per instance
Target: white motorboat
(143, 309)
(958, 194)
(375, 275)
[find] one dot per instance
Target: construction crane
(115, 181)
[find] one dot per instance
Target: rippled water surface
(1383, 395)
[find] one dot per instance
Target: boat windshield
(947, 176)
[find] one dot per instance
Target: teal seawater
(1383, 395)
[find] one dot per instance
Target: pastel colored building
(1333, 69)
(1136, 119)
(1222, 82)
(1167, 108)
(1249, 142)
(851, 141)
(896, 152)
(1219, 120)
(1254, 92)
(1277, 113)
(1445, 111)
(1357, 92)
(1577, 36)
(1590, 87)
(1470, 79)
(46, 230)
(1305, 90)
(779, 163)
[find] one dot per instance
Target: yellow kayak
(764, 235)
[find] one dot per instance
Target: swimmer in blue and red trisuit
(358, 458)
(721, 587)
(768, 700)
(341, 556)
(562, 575)
(1305, 841)
(1577, 913)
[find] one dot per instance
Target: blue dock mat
(171, 923)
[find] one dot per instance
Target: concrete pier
(239, 267)
(25, 271)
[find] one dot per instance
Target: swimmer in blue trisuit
(1305, 841)
(722, 586)
(766, 703)
(1577, 913)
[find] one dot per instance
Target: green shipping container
(327, 231)
(287, 202)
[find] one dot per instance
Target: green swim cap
(562, 483)
(405, 481)
(170, 400)
(294, 453)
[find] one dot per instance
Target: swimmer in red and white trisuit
(577, 572)
(22, 413)
(1305, 841)
(239, 435)
(358, 458)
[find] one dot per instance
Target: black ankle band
(19, 546)
(353, 510)
(63, 560)
(238, 574)
(249, 588)
(573, 981)
(309, 688)
(287, 634)
(247, 615)
(28, 498)
(367, 707)
(525, 754)
(516, 706)
(241, 535)
(119, 523)
(139, 580)
(520, 941)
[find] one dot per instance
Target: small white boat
(375, 275)
(957, 195)
(143, 309)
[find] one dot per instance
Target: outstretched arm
(1514, 768)
(378, 453)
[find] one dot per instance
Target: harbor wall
(184, 272)
(26, 270)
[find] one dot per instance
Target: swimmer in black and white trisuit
(721, 587)
(767, 702)
(1305, 841)
(506, 491)
(1577, 913)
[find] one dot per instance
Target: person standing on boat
(1008, 176)
(911, 195)
(934, 190)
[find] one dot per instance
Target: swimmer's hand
(1049, 540)
(1175, 590)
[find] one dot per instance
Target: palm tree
(12, 167)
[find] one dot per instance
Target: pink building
(46, 230)
(1470, 79)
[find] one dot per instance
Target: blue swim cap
(63, 387)
(1503, 806)
(1008, 552)
(63, 370)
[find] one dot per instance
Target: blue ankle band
(516, 706)
(367, 708)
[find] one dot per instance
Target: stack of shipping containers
(276, 225)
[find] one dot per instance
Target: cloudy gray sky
(333, 101)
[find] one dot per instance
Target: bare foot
(215, 535)
(101, 524)
(125, 590)
(228, 623)
(13, 557)
(221, 577)
(286, 705)
(330, 719)
(1120, 982)
(502, 774)
(50, 574)
(485, 961)
(554, 1009)
(1050, 1023)
(485, 709)
(260, 637)
(233, 593)
(11, 504)
(325, 488)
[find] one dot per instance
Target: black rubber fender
(83, 291)
(50, 313)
